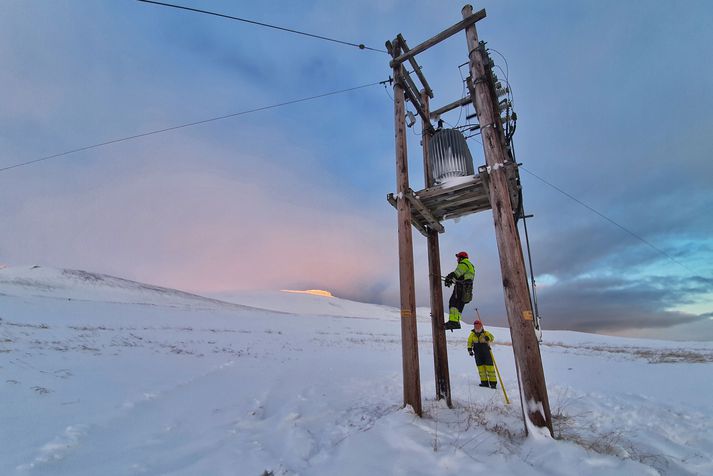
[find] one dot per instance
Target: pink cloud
(193, 228)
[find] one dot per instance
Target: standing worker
(479, 345)
(463, 277)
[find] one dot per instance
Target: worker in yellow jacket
(463, 277)
(479, 345)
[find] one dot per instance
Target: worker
(479, 346)
(463, 277)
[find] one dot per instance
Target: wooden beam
(391, 199)
(533, 390)
(415, 66)
(409, 335)
(449, 107)
(394, 203)
(466, 211)
(412, 92)
(459, 203)
(440, 348)
(412, 95)
(421, 229)
(446, 200)
(433, 222)
(447, 33)
(440, 190)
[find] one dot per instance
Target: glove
(448, 282)
(487, 339)
(470, 351)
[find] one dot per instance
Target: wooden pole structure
(447, 33)
(409, 338)
(533, 391)
(440, 350)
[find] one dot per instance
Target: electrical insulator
(502, 92)
(504, 104)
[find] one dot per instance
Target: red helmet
(461, 254)
(477, 323)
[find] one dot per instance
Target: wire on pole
(643, 240)
(189, 124)
(361, 46)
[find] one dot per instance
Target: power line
(173, 128)
(622, 227)
(638, 237)
(361, 46)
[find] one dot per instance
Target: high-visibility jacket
(465, 270)
(482, 337)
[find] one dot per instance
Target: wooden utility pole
(533, 392)
(440, 350)
(409, 338)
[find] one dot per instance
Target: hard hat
(477, 323)
(461, 254)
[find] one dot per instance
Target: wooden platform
(431, 206)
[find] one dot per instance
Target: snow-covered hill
(315, 305)
(107, 376)
(72, 284)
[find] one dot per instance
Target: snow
(449, 182)
(107, 376)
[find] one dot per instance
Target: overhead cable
(361, 46)
(638, 237)
(189, 124)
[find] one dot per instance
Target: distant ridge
(80, 285)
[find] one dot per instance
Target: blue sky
(614, 102)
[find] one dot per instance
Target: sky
(614, 102)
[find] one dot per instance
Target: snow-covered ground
(103, 376)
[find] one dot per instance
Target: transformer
(449, 155)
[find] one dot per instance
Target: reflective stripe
(454, 314)
(490, 372)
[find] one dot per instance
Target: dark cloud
(608, 304)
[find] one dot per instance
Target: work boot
(452, 325)
(493, 384)
(484, 384)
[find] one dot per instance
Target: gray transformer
(449, 155)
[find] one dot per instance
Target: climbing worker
(463, 277)
(479, 345)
